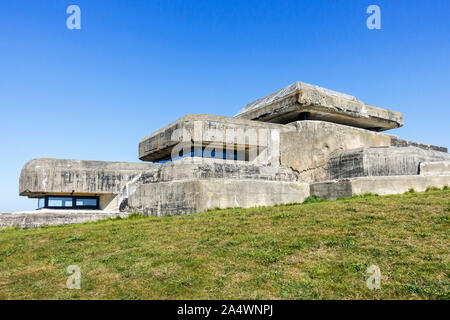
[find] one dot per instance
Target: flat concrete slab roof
(302, 101)
(201, 128)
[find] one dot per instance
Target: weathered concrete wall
(170, 188)
(198, 168)
(78, 177)
(397, 184)
(250, 193)
(162, 198)
(109, 202)
(46, 217)
(435, 168)
(308, 149)
(334, 189)
(189, 196)
(380, 161)
(115, 183)
(304, 101)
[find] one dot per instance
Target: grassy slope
(317, 250)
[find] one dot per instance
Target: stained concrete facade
(208, 131)
(62, 177)
(381, 185)
(381, 161)
(299, 141)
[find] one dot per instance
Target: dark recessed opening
(208, 152)
(68, 202)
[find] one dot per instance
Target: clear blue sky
(135, 66)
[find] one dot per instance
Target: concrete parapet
(396, 142)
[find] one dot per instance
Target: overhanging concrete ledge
(203, 130)
(302, 101)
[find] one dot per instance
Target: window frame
(74, 203)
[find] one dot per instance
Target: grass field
(303, 251)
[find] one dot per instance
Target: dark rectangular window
(60, 202)
(86, 202)
(203, 152)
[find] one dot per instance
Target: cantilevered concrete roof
(302, 101)
(206, 129)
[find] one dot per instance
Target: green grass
(316, 250)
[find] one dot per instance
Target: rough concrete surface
(304, 101)
(380, 161)
(315, 145)
(204, 130)
(189, 196)
(308, 149)
(347, 188)
(435, 168)
(61, 177)
(78, 177)
(48, 217)
(397, 142)
(171, 183)
(175, 187)
(332, 190)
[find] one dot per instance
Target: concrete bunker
(299, 141)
